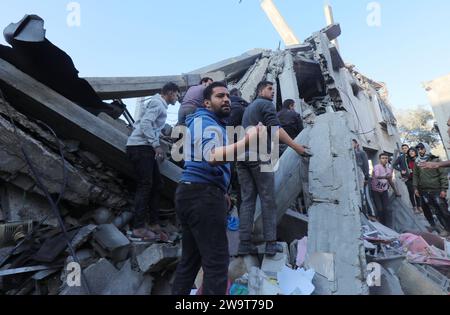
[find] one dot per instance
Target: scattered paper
(296, 282)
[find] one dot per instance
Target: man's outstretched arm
(219, 155)
(434, 165)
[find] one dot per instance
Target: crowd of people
(423, 174)
(202, 198)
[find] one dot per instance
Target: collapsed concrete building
(84, 166)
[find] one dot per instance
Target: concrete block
(86, 257)
(323, 264)
(110, 242)
(98, 276)
(125, 282)
(157, 257)
(273, 265)
(390, 284)
(410, 277)
(82, 236)
(102, 216)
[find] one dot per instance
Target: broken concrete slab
(390, 284)
(255, 74)
(125, 282)
(71, 121)
(109, 88)
(110, 242)
(98, 277)
(233, 67)
(102, 216)
(85, 256)
(288, 82)
(157, 257)
(403, 218)
(410, 277)
(273, 265)
(334, 218)
(82, 236)
(323, 264)
(83, 188)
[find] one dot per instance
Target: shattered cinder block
(157, 257)
(273, 265)
(82, 236)
(125, 282)
(111, 243)
(410, 278)
(98, 277)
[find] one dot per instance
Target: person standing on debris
(362, 161)
(144, 150)
(436, 165)
(431, 186)
(256, 182)
(193, 100)
(415, 201)
(381, 179)
(201, 198)
(401, 164)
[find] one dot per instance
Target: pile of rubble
(93, 202)
(66, 185)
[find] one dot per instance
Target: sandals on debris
(148, 236)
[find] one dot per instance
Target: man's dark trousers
(148, 180)
(253, 183)
(202, 211)
(381, 200)
(440, 206)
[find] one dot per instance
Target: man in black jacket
(401, 164)
(290, 120)
(238, 106)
